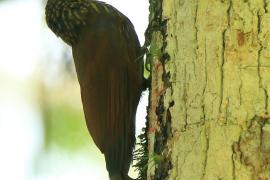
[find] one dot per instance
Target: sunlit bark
(210, 91)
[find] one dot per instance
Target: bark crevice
(206, 155)
(223, 57)
(259, 58)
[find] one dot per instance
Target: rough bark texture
(209, 104)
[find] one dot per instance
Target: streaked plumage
(105, 50)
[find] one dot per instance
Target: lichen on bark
(215, 87)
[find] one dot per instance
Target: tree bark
(210, 86)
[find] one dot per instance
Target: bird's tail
(122, 104)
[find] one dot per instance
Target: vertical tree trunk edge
(208, 114)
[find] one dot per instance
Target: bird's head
(66, 17)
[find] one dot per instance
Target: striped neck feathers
(66, 17)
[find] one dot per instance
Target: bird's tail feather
(121, 107)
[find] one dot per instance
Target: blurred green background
(42, 130)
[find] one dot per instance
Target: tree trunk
(210, 86)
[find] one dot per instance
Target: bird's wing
(110, 87)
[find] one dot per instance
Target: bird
(109, 66)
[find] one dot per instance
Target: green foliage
(65, 127)
(141, 155)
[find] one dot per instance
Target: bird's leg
(147, 65)
(145, 51)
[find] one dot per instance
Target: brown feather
(105, 50)
(111, 85)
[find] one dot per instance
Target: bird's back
(106, 53)
(110, 76)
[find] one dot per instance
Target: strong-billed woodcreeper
(106, 53)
